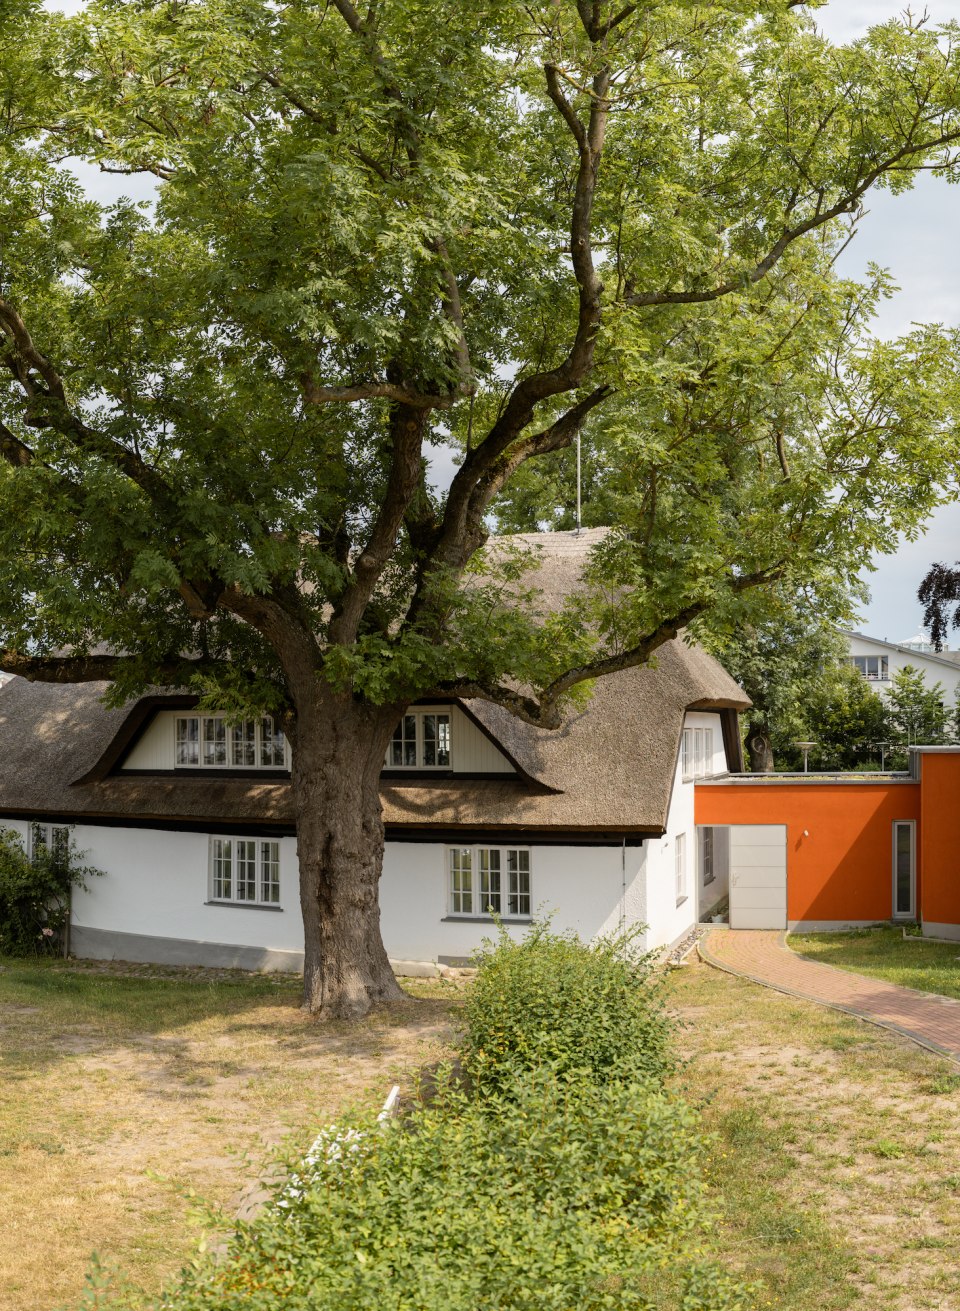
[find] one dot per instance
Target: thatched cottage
(191, 821)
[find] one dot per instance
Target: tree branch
(544, 710)
(47, 406)
(406, 429)
(847, 205)
(13, 450)
(537, 387)
(314, 394)
(174, 672)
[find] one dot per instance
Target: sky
(914, 236)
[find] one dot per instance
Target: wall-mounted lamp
(806, 832)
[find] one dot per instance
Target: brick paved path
(761, 955)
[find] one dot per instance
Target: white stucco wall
(667, 919)
(155, 883)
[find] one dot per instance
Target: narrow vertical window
(272, 743)
(436, 740)
(461, 880)
(903, 869)
(270, 872)
(706, 855)
(680, 861)
(403, 745)
(222, 869)
(214, 742)
(245, 871)
(518, 870)
(489, 871)
(188, 742)
(686, 754)
(243, 744)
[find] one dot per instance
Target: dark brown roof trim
(732, 741)
(540, 837)
(543, 787)
(521, 837)
(130, 731)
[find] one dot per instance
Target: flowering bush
(35, 895)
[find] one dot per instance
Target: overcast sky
(915, 236)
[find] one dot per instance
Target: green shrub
(557, 1195)
(552, 1000)
(35, 895)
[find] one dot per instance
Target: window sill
(245, 905)
(485, 919)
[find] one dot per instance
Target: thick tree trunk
(759, 750)
(338, 752)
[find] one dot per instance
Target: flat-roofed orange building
(814, 851)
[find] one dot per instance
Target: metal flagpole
(578, 483)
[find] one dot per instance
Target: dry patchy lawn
(838, 1170)
(124, 1089)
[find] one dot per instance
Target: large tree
(416, 223)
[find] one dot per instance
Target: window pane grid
(696, 753)
(420, 741)
(210, 742)
(461, 880)
(245, 870)
(244, 744)
(490, 881)
(270, 872)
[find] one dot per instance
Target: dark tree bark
(338, 752)
(760, 750)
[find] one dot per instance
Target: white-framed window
(490, 881)
(245, 871)
(420, 741)
(48, 837)
(696, 753)
(707, 856)
(904, 869)
(209, 742)
(874, 668)
(680, 866)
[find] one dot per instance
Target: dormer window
(697, 753)
(208, 741)
(420, 741)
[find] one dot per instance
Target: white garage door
(758, 876)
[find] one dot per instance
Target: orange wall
(940, 819)
(842, 868)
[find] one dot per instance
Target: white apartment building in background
(879, 661)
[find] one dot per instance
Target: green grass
(127, 1091)
(886, 954)
(836, 1171)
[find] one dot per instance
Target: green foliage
(783, 652)
(848, 721)
(320, 190)
(560, 1174)
(551, 1001)
(917, 713)
(550, 1196)
(35, 895)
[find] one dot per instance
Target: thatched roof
(609, 768)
